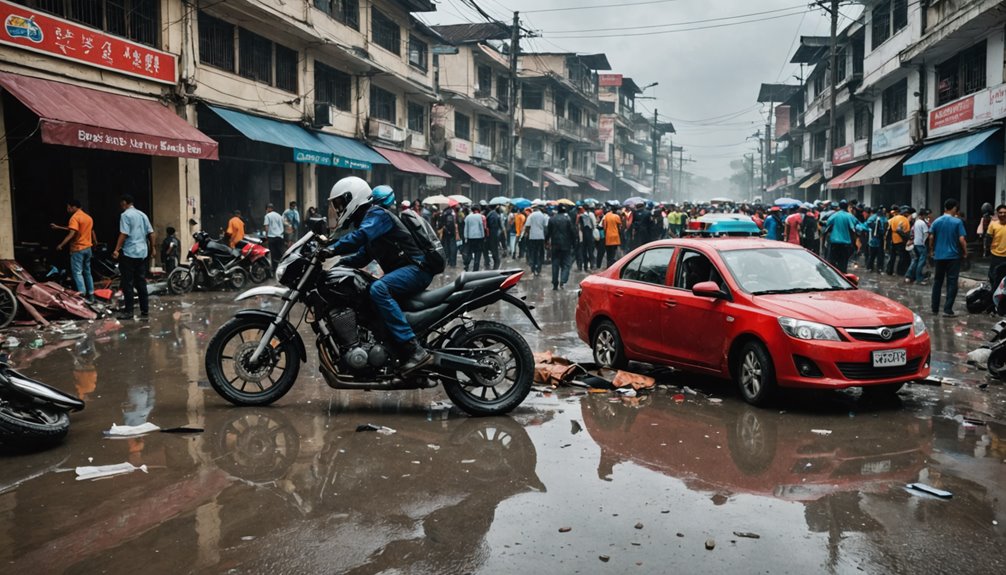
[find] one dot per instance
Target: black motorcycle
(32, 414)
(211, 264)
(486, 367)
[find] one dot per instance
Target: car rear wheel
(607, 346)
(754, 374)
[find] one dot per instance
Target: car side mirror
(708, 289)
(853, 278)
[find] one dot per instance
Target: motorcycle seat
(432, 298)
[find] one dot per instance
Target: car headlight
(918, 326)
(801, 329)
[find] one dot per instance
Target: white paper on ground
(131, 430)
(99, 471)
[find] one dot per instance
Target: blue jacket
(378, 237)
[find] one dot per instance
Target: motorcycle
(32, 414)
(486, 367)
(212, 264)
(256, 257)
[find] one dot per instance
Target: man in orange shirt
(612, 223)
(235, 229)
(518, 225)
(81, 239)
(900, 229)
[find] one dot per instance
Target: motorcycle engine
(358, 350)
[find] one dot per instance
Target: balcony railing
(575, 130)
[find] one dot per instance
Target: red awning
(836, 182)
(592, 184)
(405, 162)
(477, 174)
(86, 118)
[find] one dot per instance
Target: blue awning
(350, 153)
(306, 148)
(978, 149)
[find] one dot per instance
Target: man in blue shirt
(136, 237)
(876, 229)
(773, 224)
(840, 230)
(949, 248)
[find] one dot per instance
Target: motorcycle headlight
(808, 330)
(918, 326)
(281, 268)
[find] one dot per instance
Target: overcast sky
(708, 78)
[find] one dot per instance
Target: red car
(763, 313)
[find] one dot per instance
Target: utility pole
(769, 156)
(655, 137)
(761, 159)
(681, 165)
(513, 94)
(832, 66)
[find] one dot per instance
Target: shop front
(472, 181)
(411, 176)
(349, 158)
(885, 184)
(592, 189)
(558, 186)
(66, 141)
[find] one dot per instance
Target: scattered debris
(821, 431)
(12, 342)
(689, 390)
(678, 398)
(747, 534)
(980, 357)
(374, 427)
(679, 534)
(592, 381)
(639, 525)
(181, 430)
(604, 558)
(710, 544)
(467, 461)
(715, 400)
(555, 371)
(930, 490)
(636, 381)
(565, 529)
(131, 430)
(575, 427)
(101, 471)
(626, 392)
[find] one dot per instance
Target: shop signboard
(95, 137)
(436, 182)
(968, 112)
(860, 148)
(482, 151)
(782, 123)
(893, 137)
(341, 162)
(843, 155)
(609, 80)
(310, 157)
(461, 148)
(43, 33)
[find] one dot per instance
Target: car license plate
(890, 358)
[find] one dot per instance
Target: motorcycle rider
(380, 236)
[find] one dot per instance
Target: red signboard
(609, 80)
(782, 125)
(81, 136)
(40, 32)
(954, 113)
(843, 155)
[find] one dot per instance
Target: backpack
(434, 257)
(808, 227)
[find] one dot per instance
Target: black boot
(414, 356)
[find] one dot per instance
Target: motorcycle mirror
(318, 225)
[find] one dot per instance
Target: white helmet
(348, 197)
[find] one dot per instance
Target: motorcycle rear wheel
(32, 427)
(238, 279)
(228, 369)
(181, 281)
(8, 306)
(260, 271)
(480, 397)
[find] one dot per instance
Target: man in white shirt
(534, 228)
(273, 226)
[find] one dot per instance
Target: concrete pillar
(918, 197)
(868, 195)
(311, 192)
(6, 198)
(289, 185)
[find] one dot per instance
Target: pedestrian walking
(898, 230)
(449, 236)
(949, 248)
(561, 235)
(171, 250)
(920, 251)
(235, 229)
(519, 218)
(80, 237)
(996, 232)
(534, 229)
(876, 227)
(132, 249)
(272, 225)
(612, 225)
(793, 225)
(497, 235)
(291, 223)
(841, 232)
(475, 235)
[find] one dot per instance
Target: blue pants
(918, 264)
(402, 283)
(949, 270)
(80, 267)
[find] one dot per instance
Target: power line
(569, 8)
(694, 29)
(685, 23)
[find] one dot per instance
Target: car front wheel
(607, 344)
(754, 374)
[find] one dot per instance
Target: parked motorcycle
(211, 264)
(486, 367)
(256, 259)
(32, 414)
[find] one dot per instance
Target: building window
(961, 75)
(819, 143)
(818, 85)
(502, 91)
(333, 87)
(138, 20)
(484, 88)
(254, 57)
(286, 68)
(216, 42)
(417, 117)
(533, 98)
(888, 19)
(861, 125)
(418, 53)
(382, 105)
(840, 66)
(840, 132)
(894, 103)
(462, 126)
(345, 11)
(487, 131)
(385, 31)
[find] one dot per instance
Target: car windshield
(765, 271)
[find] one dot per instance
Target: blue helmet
(383, 196)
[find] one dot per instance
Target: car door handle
(670, 303)
(619, 293)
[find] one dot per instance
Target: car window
(694, 268)
(649, 267)
(781, 270)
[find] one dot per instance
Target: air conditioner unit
(415, 140)
(322, 115)
(382, 130)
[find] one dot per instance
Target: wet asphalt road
(642, 483)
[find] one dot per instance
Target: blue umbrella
(781, 202)
(633, 201)
(522, 203)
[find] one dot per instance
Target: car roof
(726, 244)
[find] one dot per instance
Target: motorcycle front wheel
(260, 271)
(181, 281)
(235, 378)
(514, 364)
(32, 427)
(238, 279)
